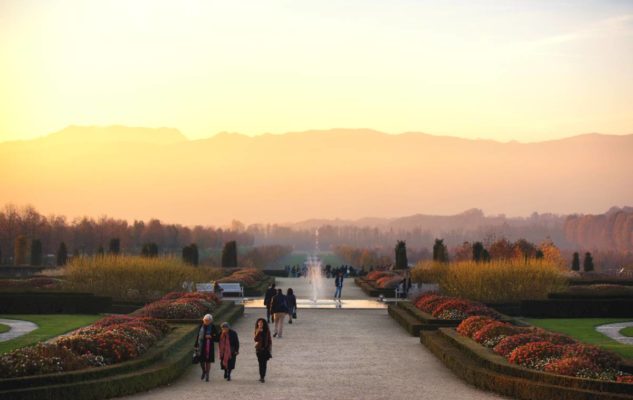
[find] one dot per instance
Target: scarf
(225, 349)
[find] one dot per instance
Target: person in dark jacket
(270, 293)
(263, 346)
(338, 282)
(279, 308)
(292, 305)
(207, 334)
(229, 348)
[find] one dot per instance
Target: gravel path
(613, 331)
(18, 328)
(329, 354)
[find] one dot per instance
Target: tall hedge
(190, 254)
(575, 263)
(20, 250)
(440, 252)
(229, 254)
(587, 264)
(401, 255)
(62, 254)
(36, 252)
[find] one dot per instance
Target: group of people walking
(278, 305)
(229, 347)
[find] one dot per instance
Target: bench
(204, 287)
(231, 288)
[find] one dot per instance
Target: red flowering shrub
(112, 320)
(113, 346)
(375, 275)
(247, 277)
(178, 305)
(509, 343)
(624, 379)
(472, 324)
(428, 302)
(452, 304)
(573, 366)
(555, 338)
(388, 282)
(491, 334)
(43, 358)
(482, 311)
(601, 358)
(536, 355)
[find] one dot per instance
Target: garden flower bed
(35, 283)
(180, 306)
(538, 349)
(483, 368)
(432, 311)
(378, 283)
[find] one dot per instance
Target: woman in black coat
(228, 348)
(207, 334)
(263, 346)
(292, 305)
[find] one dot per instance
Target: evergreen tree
(150, 250)
(440, 252)
(539, 255)
(0, 255)
(20, 250)
(587, 264)
(229, 254)
(478, 250)
(115, 246)
(401, 255)
(575, 263)
(485, 256)
(190, 254)
(62, 254)
(36, 252)
(100, 251)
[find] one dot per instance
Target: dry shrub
(133, 278)
(500, 281)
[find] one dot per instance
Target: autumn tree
(401, 255)
(501, 250)
(463, 252)
(20, 250)
(575, 262)
(62, 254)
(36, 252)
(229, 254)
(587, 264)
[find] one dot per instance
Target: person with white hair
(207, 334)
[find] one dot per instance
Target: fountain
(315, 274)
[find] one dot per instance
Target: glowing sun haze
(503, 70)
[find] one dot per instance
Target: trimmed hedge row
(280, 273)
(162, 364)
(53, 303)
(260, 288)
(578, 308)
(476, 365)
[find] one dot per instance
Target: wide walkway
(328, 354)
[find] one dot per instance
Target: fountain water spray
(314, 271)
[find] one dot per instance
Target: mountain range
(350, 174)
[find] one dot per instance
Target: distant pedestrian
(279, 308)
(292, 305)
(263, 346)
(228, 348)
(338, 282)
(270, 292)
(207, 334)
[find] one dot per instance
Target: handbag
(196, 357)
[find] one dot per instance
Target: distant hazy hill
(347, 174)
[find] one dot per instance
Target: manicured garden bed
(161, 364)
(370, 288)
(482, 368)
(584, 330)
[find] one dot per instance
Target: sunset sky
(503, 70)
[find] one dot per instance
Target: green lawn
(584, 329)
(4, 328)
(50, 325)
(627, 331)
